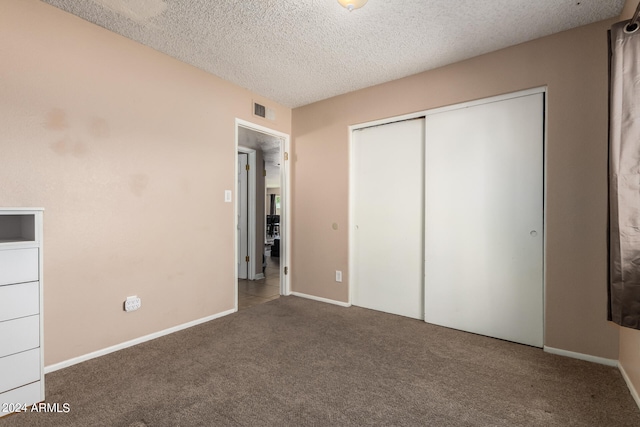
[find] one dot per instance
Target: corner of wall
(629, 362)
(628, 9)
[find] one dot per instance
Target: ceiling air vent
(262, 111)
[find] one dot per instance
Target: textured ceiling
(300, 51)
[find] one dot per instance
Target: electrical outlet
(338, 276)
(132, 303)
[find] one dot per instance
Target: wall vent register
(264, 112)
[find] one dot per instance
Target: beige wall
(129, 151)
(628, 9)
(573, 65)
(630, 357)
(630, 338)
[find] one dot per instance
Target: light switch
(227, 196)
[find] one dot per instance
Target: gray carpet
(293, 362)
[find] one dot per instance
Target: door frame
(285, 205)
(425, 113)
(251, 210)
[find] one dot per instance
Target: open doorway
(264, 256)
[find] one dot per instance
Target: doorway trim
(285, 205)
(251, 211)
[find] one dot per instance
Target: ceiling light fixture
(352, 4)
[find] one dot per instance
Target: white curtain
(624, 176)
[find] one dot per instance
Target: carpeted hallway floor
(254, 292)
(296, 362)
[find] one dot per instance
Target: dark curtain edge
(608, 235)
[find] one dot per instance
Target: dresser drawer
(18, 266)
(19, 300)
(19, 369)
(19, 335)
(25, 395)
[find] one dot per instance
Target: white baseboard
(632, 390)
(581, 356)
(98, 353)
(258, 276)
(315, 298)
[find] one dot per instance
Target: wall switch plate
(338, 276)
(227, 196)
(132, 303)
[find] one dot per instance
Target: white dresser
(21, 356)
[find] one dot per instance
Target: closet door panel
(388, 218)
(484, 219)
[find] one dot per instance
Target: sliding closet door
(484, 219)
(387, 203)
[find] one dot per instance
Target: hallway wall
(129, 151)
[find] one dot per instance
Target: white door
(387, 202)
(243, 217)
(484, 219)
